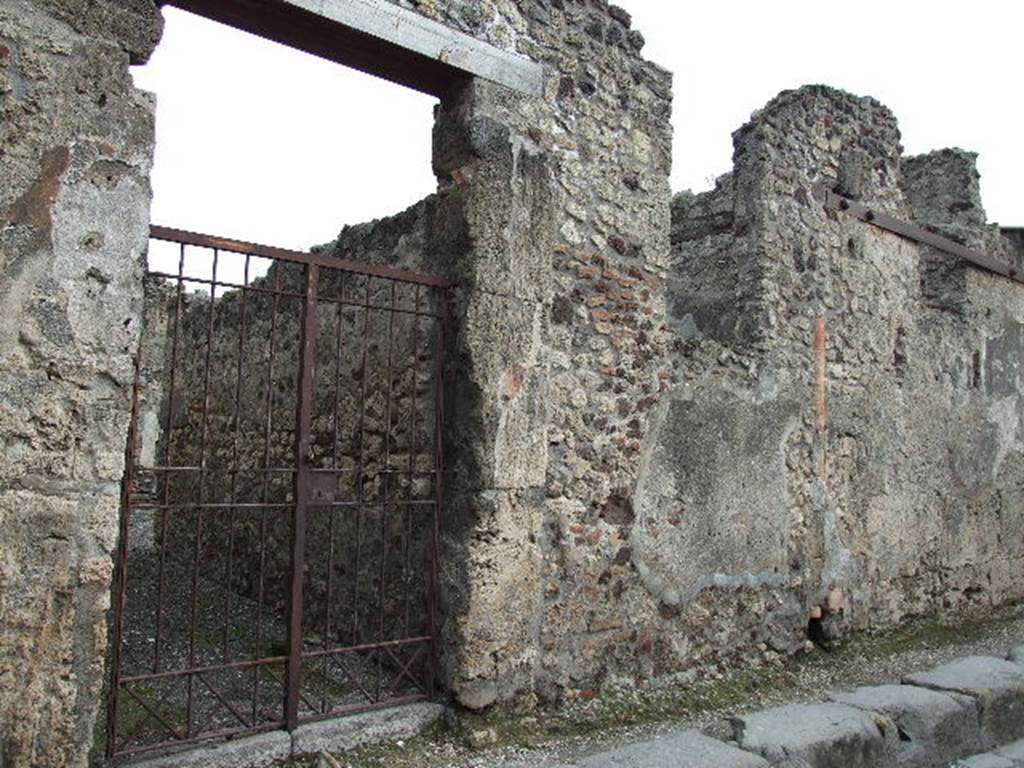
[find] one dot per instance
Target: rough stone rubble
(642, 487)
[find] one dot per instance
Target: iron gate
(283, 490)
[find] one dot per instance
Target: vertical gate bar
(166, 495)
(387, 487)
(413, 450)
(360, 467)
(328, 604)
(439, 353)
(234, 457)
(339, 346)
(307, 361)
(113, 701)
(203, 435)
(267, 426)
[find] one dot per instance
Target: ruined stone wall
(637, 472)
(684, 524)
(643, 485)
(905, 501)
(75, 150)
(553, 223)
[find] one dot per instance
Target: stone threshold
(333, 736)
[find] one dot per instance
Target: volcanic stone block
(934, 728)
(1014, 752)
(689, 748)
(997, 687)
(826, 735)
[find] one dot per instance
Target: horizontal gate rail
(183, 237)
(836, 202)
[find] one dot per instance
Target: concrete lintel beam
(376, 37)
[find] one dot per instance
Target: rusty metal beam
(376, 37)
(835, 202)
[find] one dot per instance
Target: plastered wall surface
(75, 151)
(645, 484)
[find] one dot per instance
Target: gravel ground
(227, 628)
(866, 661)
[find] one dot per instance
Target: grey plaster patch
(933, 727)
(997, 686)
(690, 748)
(718, 540)
(825, 735)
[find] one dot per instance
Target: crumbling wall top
(135, 25)
(943, 189)
(850, 144)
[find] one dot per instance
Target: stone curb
(1010, 756)
(997, 687)
(942, 717)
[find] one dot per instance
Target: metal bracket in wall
(376, 37)
(836, 202)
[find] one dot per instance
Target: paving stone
(996, 684)
(826, 735)
(933, 727)
(1014, 752)
(1016, 655)
(691, 749)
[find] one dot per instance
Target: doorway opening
(283, 493)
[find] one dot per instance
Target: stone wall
(697, 513)
(75, 150)
(680, 435)
(901, 498)
(553, 222)
(645, 487)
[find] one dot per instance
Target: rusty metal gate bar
(224, 598)
(836, 202)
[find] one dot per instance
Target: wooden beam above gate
(376, 37)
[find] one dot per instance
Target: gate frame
(302, 484)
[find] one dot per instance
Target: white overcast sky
(262, 143)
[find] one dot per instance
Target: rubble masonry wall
(76, 143)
